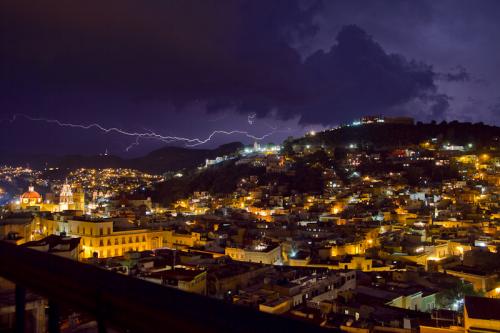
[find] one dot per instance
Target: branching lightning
(133, 144)
(251, 119)
(189, 142)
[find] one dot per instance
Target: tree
(454, 297)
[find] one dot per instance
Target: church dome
(31, 194)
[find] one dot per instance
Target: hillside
(393, 135)
(157, 161)
(175, 158)
(308, 175)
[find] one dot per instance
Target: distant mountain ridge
(175, 158)
(394, 135)
(158, 161)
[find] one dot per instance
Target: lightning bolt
(251, 118)
(189, 142)
(133, 144)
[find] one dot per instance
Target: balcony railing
(124, 302)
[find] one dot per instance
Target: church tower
(65, 197)
(78, 198)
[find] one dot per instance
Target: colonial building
(68, 199)
(65, 197)
(263, 254)
(100, 237)
(31, 198)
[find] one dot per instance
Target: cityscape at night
(250, 166)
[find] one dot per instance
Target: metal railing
(125, 302)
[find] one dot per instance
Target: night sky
(187, 68)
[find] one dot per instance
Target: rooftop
(99, 291)
(178, 274)
(482, 307)
(55, 243)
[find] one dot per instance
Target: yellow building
(68, 200)
(264, 214)
(189, 280)
(481, 281)
(78, 198)
(481, 314)
(71, 198)
(193, 281)
(352, 248)
(262, 254)
(354, 263)
(173, 239)
(31, 198)
(276, 306)
(100, 238)
(17, 229)
(467, 159)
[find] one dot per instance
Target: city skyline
(250, 166)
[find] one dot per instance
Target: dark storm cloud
(354, 78)
(225, 53)
(439, 104)
(175, 50)
(457, 74)
(495, 108)
(443, 33)
(358, 77)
